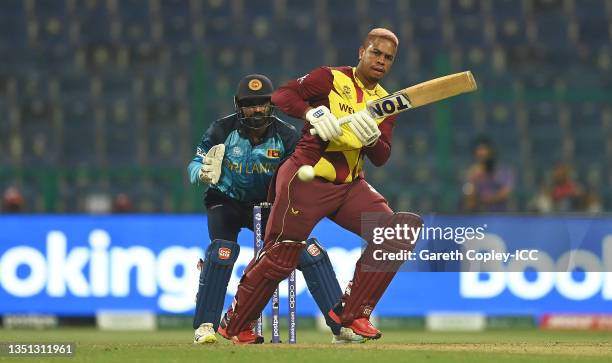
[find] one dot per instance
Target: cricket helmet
(254, 90)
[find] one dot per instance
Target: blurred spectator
(98, 203)
(122, 203)
(592, 203)
(542, 202)
(12, 201)
(564, 194)
(488, 185)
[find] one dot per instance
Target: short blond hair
(380, 33)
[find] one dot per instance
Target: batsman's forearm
(289, 101)
(379, 153)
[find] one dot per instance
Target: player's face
(256, 114)
(256, 110)
(377, 58)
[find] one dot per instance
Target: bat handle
(341, 121)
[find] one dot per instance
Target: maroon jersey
(339, 161)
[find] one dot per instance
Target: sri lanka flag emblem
(273, 153)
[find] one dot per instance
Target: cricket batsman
(338, 191)
(237, 158)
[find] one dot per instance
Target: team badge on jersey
(273, 153)
(236, 151)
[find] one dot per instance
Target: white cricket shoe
(347, 336)
(205, 334)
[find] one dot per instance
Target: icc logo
(346, 90)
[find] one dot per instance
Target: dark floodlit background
(102, 102)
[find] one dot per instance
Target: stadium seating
(112, 88)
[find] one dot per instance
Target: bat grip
(341, 121)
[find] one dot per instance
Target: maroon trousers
(298, 207)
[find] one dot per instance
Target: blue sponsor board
(77, 265)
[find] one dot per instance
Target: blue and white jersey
(247, 169)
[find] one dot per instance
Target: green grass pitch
(493, 346)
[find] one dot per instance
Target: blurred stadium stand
(111, 96)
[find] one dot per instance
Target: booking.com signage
(77, 265)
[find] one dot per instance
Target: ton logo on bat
(389, 105)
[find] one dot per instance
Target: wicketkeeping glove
(210, 171)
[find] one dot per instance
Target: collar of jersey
(372, 92)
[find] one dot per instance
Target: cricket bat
(419, 95)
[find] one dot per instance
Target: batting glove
(364, 127)
(325, 123)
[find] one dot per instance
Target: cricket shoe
(246, 336)
(359, 326)
(205, 334)
(347, 336)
